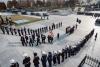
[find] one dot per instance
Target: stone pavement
(10, 46)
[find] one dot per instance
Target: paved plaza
(10, 46)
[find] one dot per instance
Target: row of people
(57, 56)
(25, 31)
(37, 38)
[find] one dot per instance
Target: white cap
(73, 46)
(59, 51)
(55, 52)
(12, 61)
(43, 52)
(25, 55)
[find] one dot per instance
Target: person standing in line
(50, 58)
(96, 36)
(3, 29)
(55, 58)
(58, 56)
(36, 60)
(26, 60)
(44, 59)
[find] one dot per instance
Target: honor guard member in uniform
(23, 41)
(55, 58)
(26, 38)
(62, 55)
(66, 52)
(11, 30)
(3, 29)
(58, 56)
(22, 31)
(26, 60)
(19, 32)
(50, 58)
(15, 31)
(14, 63)
(30, 41)
(44, 59)
(25, 31)
(43, 37)
(38, 40)
(28, 31)
(33, 37)
(36, 60)
(7, 30)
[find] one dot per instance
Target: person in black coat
(15, 31)
(50, 58)
(30, 41)
(26, 60)
(28, 31)
(23, 41)
(26, 38)
(33, 37)
(44, 59)
(7, 30)
(55, 58)
(66, 52)
(58, 56)
(43, 37)
(25, 31)
(62, 55)
(11, 30)
(22, 31)
(19, 32)
(3, 29)
(38, 41)
(36, 60)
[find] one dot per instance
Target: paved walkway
(11, 48)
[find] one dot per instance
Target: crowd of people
(55, 57)
(24, 31)
(41, 38)
(90, 61)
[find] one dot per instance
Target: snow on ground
(11, 46)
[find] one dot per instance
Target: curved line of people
(53, 58)
(24, 31)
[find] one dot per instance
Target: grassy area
(20, 17)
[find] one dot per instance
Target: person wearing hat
(26, 60)
(62, 55)
(22, 39)
(44, 59)
(50, 58)
(43, 37)
(58, 56)
(14, 63)
(55, 58)
(36, 60)
(3, 29)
